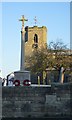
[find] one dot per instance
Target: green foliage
(53, 56)
(38, 60)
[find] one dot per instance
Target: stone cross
(23, 19)
(22, 66)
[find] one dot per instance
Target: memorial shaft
(22, 65)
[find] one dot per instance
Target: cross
(35, 19)
(23, 19)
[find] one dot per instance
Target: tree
(60, 53)
(38, 61)
(53, 56)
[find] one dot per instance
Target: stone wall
(42, 38)
(36, 102)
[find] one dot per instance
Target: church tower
(35, 38)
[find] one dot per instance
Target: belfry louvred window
(35, 45)
(35, 38)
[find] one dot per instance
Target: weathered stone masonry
(36, 102)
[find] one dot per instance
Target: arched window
(35, 38)
(35, 45)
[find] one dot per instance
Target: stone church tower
(35, 38)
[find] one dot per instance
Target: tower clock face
(35, 46)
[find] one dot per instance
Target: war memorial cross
(23, 19)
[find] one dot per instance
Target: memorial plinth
(22, 75)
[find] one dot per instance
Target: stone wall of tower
(41, 32)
